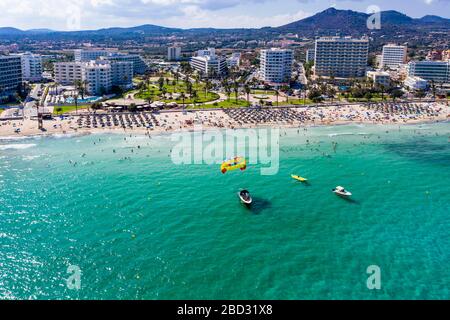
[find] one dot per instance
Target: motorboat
(245, 197)
(340, 191)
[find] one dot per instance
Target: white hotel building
(341, 57)
(437, 71)
(83, 55)
(173, 53)
(393, 56)
(100, 76)
(208, 63)
(276, 65)
(139, 65)
(31, 67)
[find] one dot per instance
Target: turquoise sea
(140, 227)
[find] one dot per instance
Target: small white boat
(245, 197)
(340, 191)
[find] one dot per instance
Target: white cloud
(91, 14)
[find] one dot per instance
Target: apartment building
(310, 55)
(66, 73)
(139, 65)
(380, 78)
(276, 65)
(208, 63)
(173, 53)
(10, 76)
(341, 57)
(100, 76)
(235, 60)
(437, 71)
(83, 55)
(416, 83)
(393, 56)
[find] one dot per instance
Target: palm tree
(247, 91)
(161, 83)
(236, 90)
(194, 96)
(433, 89)
(75, 98)
(277, 94)
(163, 92)
(383, 90)
(208, 86)
(227, 91)
(331, 92)
(183, 98)
(80, 87)
(305, 90)
(189, 88)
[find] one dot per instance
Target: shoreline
(187, 130)
(179, 121)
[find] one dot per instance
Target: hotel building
(393, 56)
(100, 76)
(208, 63)
(416, 83)
(276, 65)
(234, 61)
(310, 55)
(173, 53)
(139, 65)
(437, 71)
(380, 78)
(341, 57)
(31, 67)
(82, 55)
(10, 76)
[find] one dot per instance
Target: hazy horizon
(98, 14)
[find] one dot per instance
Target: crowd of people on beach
(375, 113)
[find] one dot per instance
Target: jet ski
(245, 197)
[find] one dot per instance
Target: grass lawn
(233, 104)
(223, 104)
(67, 109)
(375, 98)
(154, 93)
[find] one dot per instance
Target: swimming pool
(81, 101)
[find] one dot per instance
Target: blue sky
(93, 14)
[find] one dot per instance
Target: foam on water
(16, 146)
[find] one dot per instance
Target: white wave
(30, 158)
(348, 134)
(16, 146)
(13, 138)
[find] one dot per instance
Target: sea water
(139, 227)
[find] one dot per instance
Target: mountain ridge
(329, 20)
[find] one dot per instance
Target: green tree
(247, 91)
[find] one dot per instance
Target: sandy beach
(167, 121)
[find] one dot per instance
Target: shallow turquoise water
(146, 229)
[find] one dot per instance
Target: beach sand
(178, 120)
